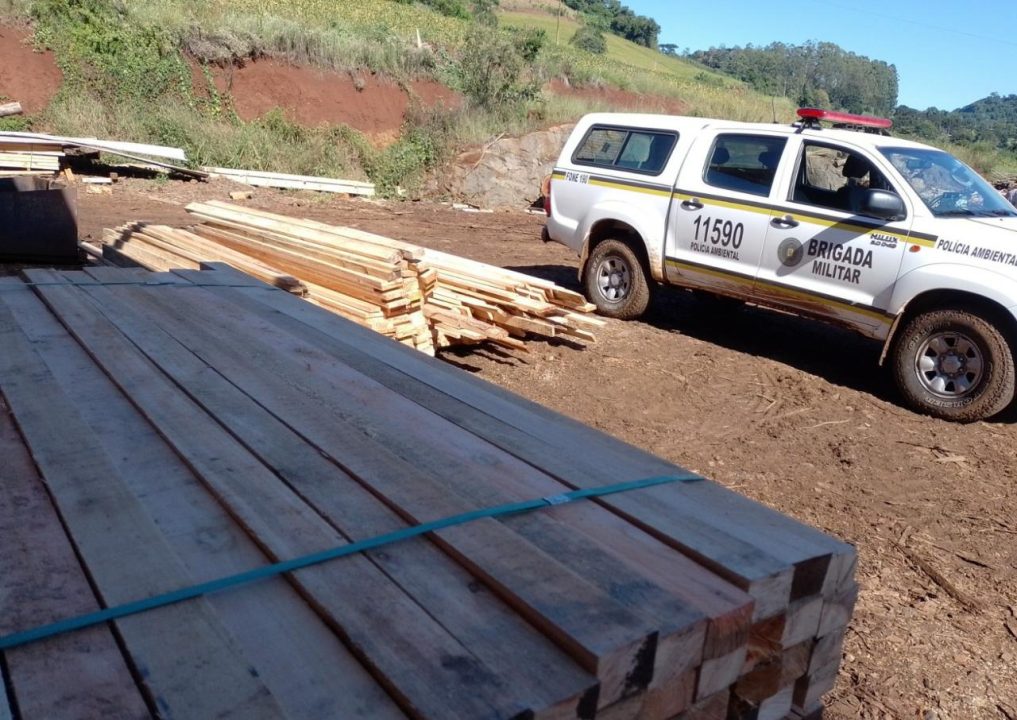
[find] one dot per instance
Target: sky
(947, 54)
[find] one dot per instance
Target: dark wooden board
(610, 641)
(480, 621)
(63, 678)
(316, 677)
(603, 459)
(416, 658)
(174, 647)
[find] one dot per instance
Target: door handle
(784, 222)
(692, 204)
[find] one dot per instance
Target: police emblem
(790, 252)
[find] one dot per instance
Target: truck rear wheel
(954, 365)
(616, 281)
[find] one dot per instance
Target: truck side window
(832, 178)
(744, 163)
(642, 151)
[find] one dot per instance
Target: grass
(126, 77)
(619, 50)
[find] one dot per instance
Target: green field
(619, 50)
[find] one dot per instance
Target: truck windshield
(948, 187)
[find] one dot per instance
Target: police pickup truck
(896, 240)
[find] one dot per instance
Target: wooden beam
(416, 657)
(312, 677)
(485, 625)
(67, 677)
(612, 642)
(773, 557)
(127, 556)
(10, 108)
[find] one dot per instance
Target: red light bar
(845, 118)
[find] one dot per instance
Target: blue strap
(139, 606)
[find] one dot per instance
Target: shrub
(100, 49)
(590, 39)
(491, 70)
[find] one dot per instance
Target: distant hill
(818, 74)
(991, 121)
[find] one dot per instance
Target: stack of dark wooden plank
(164, 429)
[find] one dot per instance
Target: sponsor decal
(882, 240)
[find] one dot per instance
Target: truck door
(821, 255)
(721, 209)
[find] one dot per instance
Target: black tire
(953, 365)
(616, 281)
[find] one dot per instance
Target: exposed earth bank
(26, 75)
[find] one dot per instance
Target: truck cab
(896, 240)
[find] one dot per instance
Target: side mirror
(882, 204)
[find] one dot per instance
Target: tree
(669, 49)
(590, 39)
(611, 16)
(492, 69)
(814, 73)
(483, 12)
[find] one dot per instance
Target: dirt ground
(29, 77)
(790, 412)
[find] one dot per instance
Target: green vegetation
(616, 18)
(590, 39)
(140, 70)
(616, 66)
(127, 75)
(813, 74)
(990, 122)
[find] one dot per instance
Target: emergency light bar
(814, 115)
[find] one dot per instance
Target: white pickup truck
(897, 240)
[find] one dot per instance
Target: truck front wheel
(954, 365)
(616, 281)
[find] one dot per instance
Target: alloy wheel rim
(614, 279)
(949, 365)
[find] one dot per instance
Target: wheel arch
(944, 299)
(615, 229)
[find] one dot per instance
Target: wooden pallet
(164, 429)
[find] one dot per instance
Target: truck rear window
(744, 163)
(641, 151)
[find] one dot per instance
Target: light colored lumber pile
(219, 424)
(461, 301)
(10, 108)
(257, 178)
(158, 247)
(29, 157)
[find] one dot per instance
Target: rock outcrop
(504, 173)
